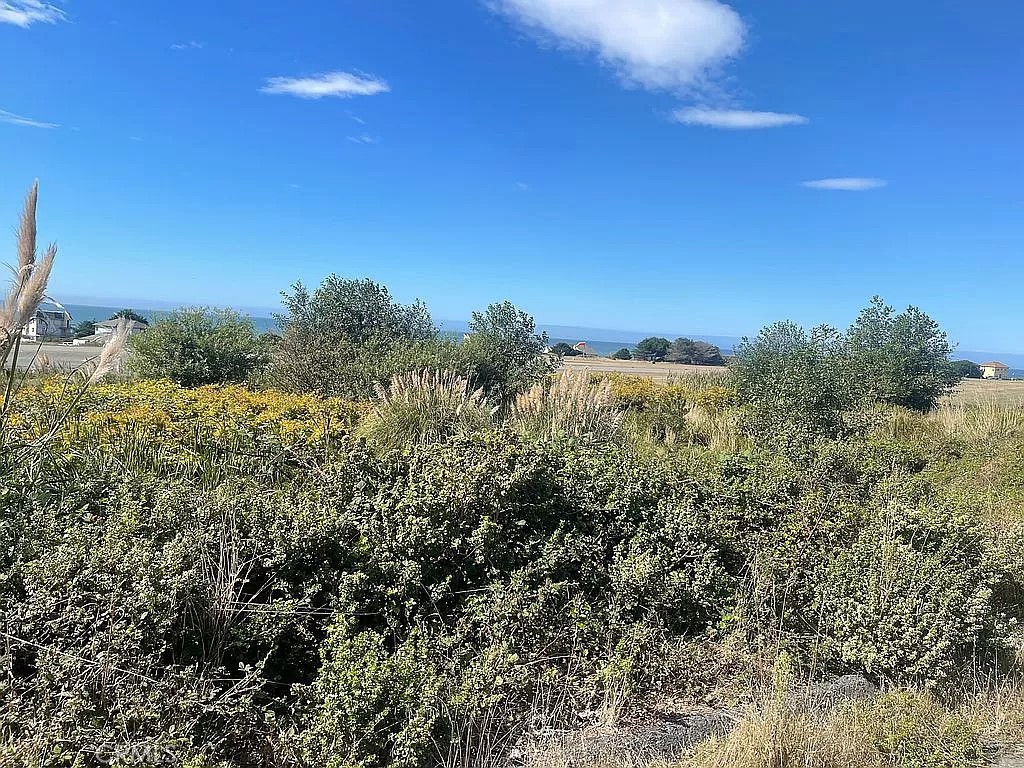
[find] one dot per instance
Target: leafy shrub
(900, 359)
(505, 352)
(623, 354)
(198, 346)
(795, 382)
(912, 597)
(348, 336)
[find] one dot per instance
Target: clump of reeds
(30, 277)
(977, 421)
(28, 285)
(570, 405)
(424, 407)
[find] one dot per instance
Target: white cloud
(25, 13)
(736, 119)
(850, 184)
(13, 119)
(185, 46)
(658, 44)
(340, 84)
(364, 139)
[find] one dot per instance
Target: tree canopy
(653, 347)
(965, 369)
(565, 350)
(623, 354)
(505, 350)
(129, 314)
(356, 311)
(693, 352)
(900, 359)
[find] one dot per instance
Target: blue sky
(671, 165)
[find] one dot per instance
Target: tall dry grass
(570, 405)
(30, 278)
(424, 407)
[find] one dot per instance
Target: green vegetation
(131, 315)
(623, 354)
(478, 552)
(694, 353)
(652, 347)
(84, 328)
(198, 346)
(561, 349)
(964, 369)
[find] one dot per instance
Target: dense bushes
(198, 346)
(302, 600)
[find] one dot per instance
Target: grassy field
(970, 391)
(657, 371)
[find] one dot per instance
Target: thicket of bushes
(416, 551)
(299, 599)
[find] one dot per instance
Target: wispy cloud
(847, 184)
(25, 13)
(13, 119)
(364, 139)
(736, 119)
(190, 45)
(657, 44)
(340, 84)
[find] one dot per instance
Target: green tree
(504, 350)
(623, 354)
(565, 350)
(198, 346)
(356, 311)
(796, 382)
(653, 347)
(965, 369)
(84, 328)
(693, 352)
(130, 314)
(348, 336)
(900, 359)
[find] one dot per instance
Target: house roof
(51, 306)
(134, 325)
(994, 365)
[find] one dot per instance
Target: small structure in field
(994, 370)
(51, 321)
(585, 349)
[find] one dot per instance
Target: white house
(994, 370)
(51, 321)
(109, 326)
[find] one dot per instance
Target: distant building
(109, 326)
(51, 321)
(585, 349)
(994, 371)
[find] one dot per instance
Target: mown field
(969, 391)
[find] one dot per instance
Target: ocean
(605, 346)
(82, 312)
(604, 342)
